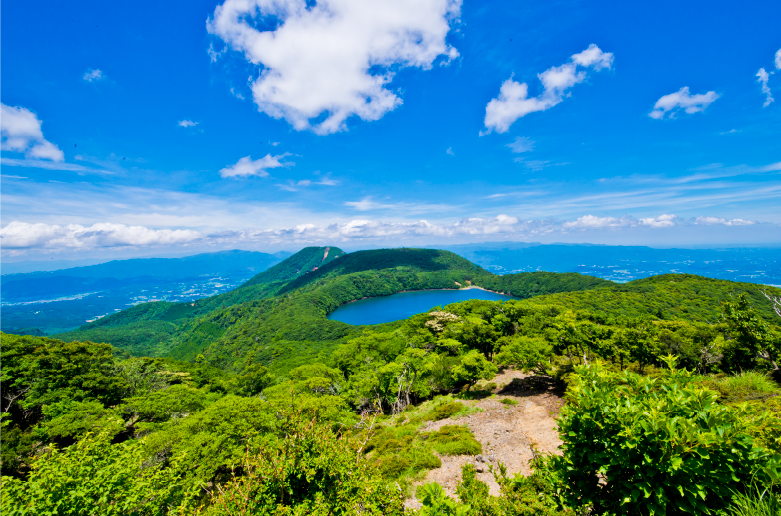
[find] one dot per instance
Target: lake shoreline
(470, 287)
(396, 308)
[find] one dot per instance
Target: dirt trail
(505, 431)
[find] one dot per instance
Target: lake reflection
(376, 310)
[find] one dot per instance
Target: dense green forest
(253, 402)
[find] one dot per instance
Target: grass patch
(508, 401)
(751, 386)
(454, 440)
(755, 503)
(750, 381)
(445, 410)
(396, 452)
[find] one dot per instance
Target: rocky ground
(507, 432)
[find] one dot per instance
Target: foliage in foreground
(639, 445)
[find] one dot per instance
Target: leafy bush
(473, 367)
(93, 477)
(639, 445)
(312, 471)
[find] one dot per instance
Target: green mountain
(307, 260)
(251, 387)
(279, 318)
(282, 312)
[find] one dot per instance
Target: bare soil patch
(507, 432)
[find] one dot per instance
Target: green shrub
(508, 401)
(640, 445)
(93, 477)
(312, 471)
(454, 440)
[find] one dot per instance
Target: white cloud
(514, 102)
(366, 204)
(731, 131)
(92, 75)
(293, 186)
(349, 49)
(778, 59)
(521, 144)
(236, 94)
(662, 221)
(682, 99)
(593, 222)
(21, 235)
(187, 123)
(450, 152)
(21, 132)
(710, 221)
(534, 165)
(50, 165)
(763, 77)
(259, 167)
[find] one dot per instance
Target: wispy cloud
(682, 99)
(246, 167)
(187, 123)
(47, 165)
(762, 78)
(521, 144)
(450, 152)
(93, 75)
(514, 102)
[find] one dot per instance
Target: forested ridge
(253, 402)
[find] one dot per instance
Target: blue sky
(187, 126)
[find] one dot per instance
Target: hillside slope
(276, 318)
(305, 261)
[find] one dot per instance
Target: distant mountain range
(61, 300)
(626, 263)
(64, 299)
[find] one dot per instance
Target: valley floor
(507, 432)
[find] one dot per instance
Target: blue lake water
(376, 310)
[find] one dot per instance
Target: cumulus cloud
(778, 59)
(335, 57)
(247, 167)
(92, 75)
(682, 99)
(450, 152)
(710, 221)
(187, 123)
(514, 101)
(762, 78)
(22, 235)
(662, 221)
(21, 132)
(593, 222)
(521, 144)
